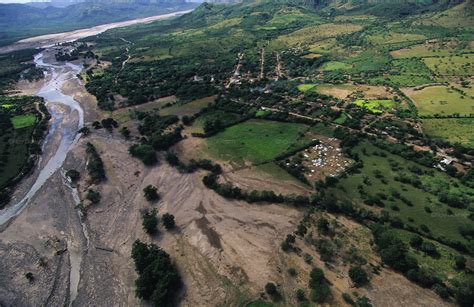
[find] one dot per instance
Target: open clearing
(22, 121)
(387, 167)
(393, 37)
(442, 100)
(455, 130)
(188, 109)
(375, 106)
(435, 49)
(452, 65)
(344, 91)
(256, 141)
(335, 65)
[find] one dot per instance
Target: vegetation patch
(335, 65)
(22, 121)
(443, 101)
(255, 141)
(375, 106)
(454, 130)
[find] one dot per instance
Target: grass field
(336, 65)
(443, 100)
(306, 87)
(22, 121)
(189, 108)
(375, 106)
(393, 37)
(455, 130)
(427, 50)
(387, 167)
(225, 117)
(255, 141)
(453, 65)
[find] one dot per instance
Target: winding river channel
(67, 117)
(55, 76)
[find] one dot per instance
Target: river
(67, 117)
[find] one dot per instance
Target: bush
(300, 295)
(271, 289)
(150, 221)
(73, 174)
(144, 152)
(460, 262)
(168, 221)
(292, 272)
(358, 276)
(93, 196)
(151, 193)
(429, 249)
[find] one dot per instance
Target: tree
(320, 293)
(93, 196)
(29, 276)
(429, 248)
(460, 262)
(73, 174)
(150, 221)
(271, 289)
(168, 221)
(323, 225)
(158, 279)
(300, 295)
(316, 277)
(151, 193)
(358, 276)
(416, 241)
(144, 152)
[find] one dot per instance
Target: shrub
(73, 174)
(358, 276)
(168, 221)
(271, 289)
(93, 196)
(292, 272)
(144, 152)
(151, 193)
(300, 295)
(460, 262)
(150, 221)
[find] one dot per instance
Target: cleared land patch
(255, 141)
(455, 130)
(22, 121)
(394, 37)
(188, 109)
(442, 100)
(453, 65)
(375, 106)
(336, 65)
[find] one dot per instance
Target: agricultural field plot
(405, 72)
(452, 66)
(434, 49)
(376, 188)
(23, 121)
(335, 65)
(123, 115)
(393, 38)
(344, 91)
(454, 130)
(255, 141)
(442, 100)
(189, 108)
(376, 106)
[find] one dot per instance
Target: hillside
(262, 153)
(19, 21)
